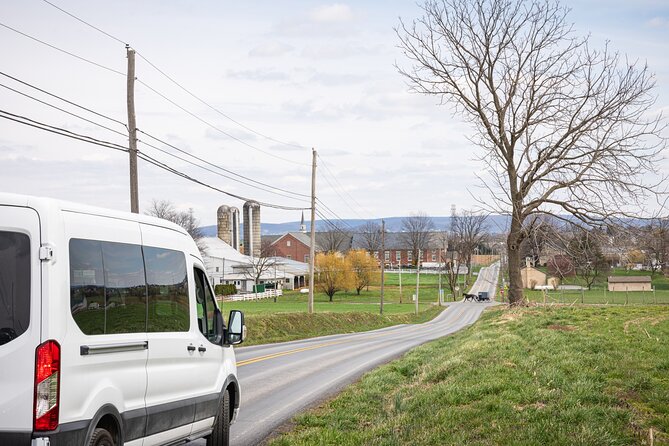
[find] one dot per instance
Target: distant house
(292, 245)
(630, 283)
(532, 277)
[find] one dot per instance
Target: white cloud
(658, 22)
(337, 12)
(271, 49)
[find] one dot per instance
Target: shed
(630, 283)
(532, 277)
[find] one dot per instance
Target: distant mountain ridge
(495, 224)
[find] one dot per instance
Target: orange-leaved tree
(333, 273)
(364, 269)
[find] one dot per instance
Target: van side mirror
(236, 332)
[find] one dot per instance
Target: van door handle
(191, 348)
(201, 349)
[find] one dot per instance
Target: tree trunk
(514, 263)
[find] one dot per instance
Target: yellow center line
(326, 344)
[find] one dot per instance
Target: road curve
(280, 380)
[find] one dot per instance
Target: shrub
(225, 290)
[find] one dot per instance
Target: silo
(228, 225)
(252, 229)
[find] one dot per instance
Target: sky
(294, 74)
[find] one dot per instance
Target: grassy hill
(532, 376)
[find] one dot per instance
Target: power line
(63, 110)
(272, 189)
(63, 99)
(84, 22)
(212, 171)
(171, 79)
(174, 171)
(218, 129)
(63, 132)
(222, 168)
(324, 164)
(62, 50)
(217, 110)
(60, 131)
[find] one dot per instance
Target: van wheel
(220, 436)
(101, 437)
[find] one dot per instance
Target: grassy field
(531, 376)
(599, 294)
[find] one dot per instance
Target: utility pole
(439, 266)
(399, 267)
(132, 131)
(383, 261)
(417, 279)
(312, 248)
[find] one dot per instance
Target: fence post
(627, 295)
(582, 295)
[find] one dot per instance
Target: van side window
(107, 287)
(87, 286)
(205, 305)
(125, 288)
(14, 285)
(168, 290)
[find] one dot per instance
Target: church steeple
(303, 227)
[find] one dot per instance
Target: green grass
(599, 294)
(531, 376)
(287, 319)
(266, 328)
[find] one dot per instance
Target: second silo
(252, 229)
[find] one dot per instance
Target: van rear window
(14, 285)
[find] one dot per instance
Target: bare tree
(257, 266)
(186, 219)
(371, 237)
(448, 258)
(468, 231)
(416, 233)
(584, 249)
(564, 129)
(335, 239)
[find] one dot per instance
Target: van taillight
(47, 383)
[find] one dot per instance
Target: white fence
(254, 296)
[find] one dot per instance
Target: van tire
(101, 437)
(220, 435)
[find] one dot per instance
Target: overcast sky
(303, 72)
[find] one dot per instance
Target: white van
(109, 331)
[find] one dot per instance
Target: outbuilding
(630, 283)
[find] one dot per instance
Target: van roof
(42, 203)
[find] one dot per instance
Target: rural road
(280, 380)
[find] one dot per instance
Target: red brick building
(293, 245)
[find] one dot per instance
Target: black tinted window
(107, 287)
(87, 286)
(125, 287)
(168, 290)
(14, 285)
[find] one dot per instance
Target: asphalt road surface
(280, 380)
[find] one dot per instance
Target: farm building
(630, 283)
